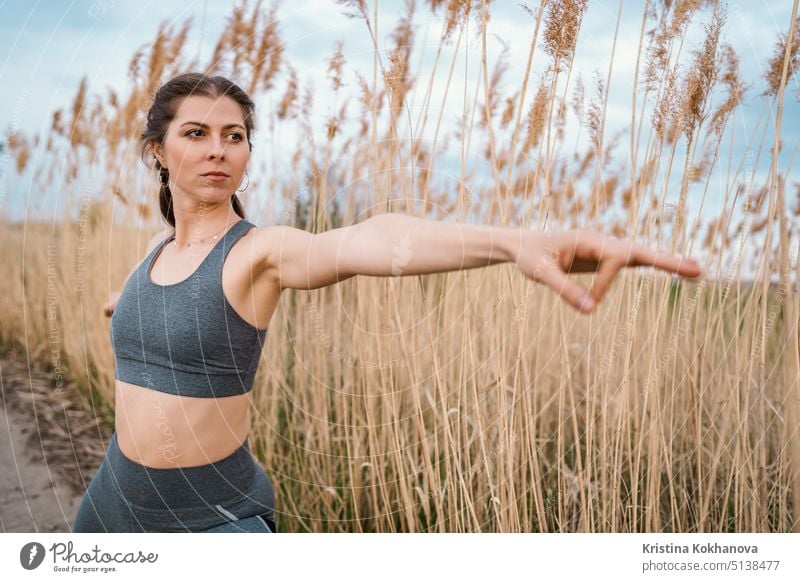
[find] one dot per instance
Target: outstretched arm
(396, 244)
(391, 244)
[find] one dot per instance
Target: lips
(217, 174)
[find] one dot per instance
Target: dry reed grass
(475, 401)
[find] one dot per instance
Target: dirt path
(30, 501)
(50, 447)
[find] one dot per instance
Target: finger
(683, 266)
(605, 274)
(573, 293)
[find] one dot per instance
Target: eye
(238, 136)
(191, 131)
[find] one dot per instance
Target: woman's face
(206, 135)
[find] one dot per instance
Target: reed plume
(774, 70)
(562, 22)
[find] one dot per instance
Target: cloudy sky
(47, 47)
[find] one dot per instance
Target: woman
(187, 334)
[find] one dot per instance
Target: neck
(199, 228)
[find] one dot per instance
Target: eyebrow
(204, 126)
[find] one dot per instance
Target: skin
(163, 430)
(203, 206)
(585, 251)
(269, 259)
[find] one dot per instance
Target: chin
(223, 185)
(214, 195)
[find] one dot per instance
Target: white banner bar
(401, 557)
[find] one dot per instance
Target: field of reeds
(475, 400)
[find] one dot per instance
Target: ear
(158, 154)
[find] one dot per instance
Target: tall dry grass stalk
(474, 401)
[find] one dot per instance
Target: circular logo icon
(31, 555)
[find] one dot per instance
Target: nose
(216, 150)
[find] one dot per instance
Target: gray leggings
(233, 494)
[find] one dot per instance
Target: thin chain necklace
(175, 241)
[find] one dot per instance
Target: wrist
(514, 241)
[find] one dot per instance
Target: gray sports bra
(185, 338)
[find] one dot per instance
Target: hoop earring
(164, 177)
(248, 182)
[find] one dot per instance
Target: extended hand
(549, 257)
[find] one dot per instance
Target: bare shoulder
(272, 242)
(296, 259)
(160, 236)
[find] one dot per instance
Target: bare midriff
(166, 431)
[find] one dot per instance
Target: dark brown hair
(165, 105)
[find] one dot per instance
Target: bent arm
(113, 297)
